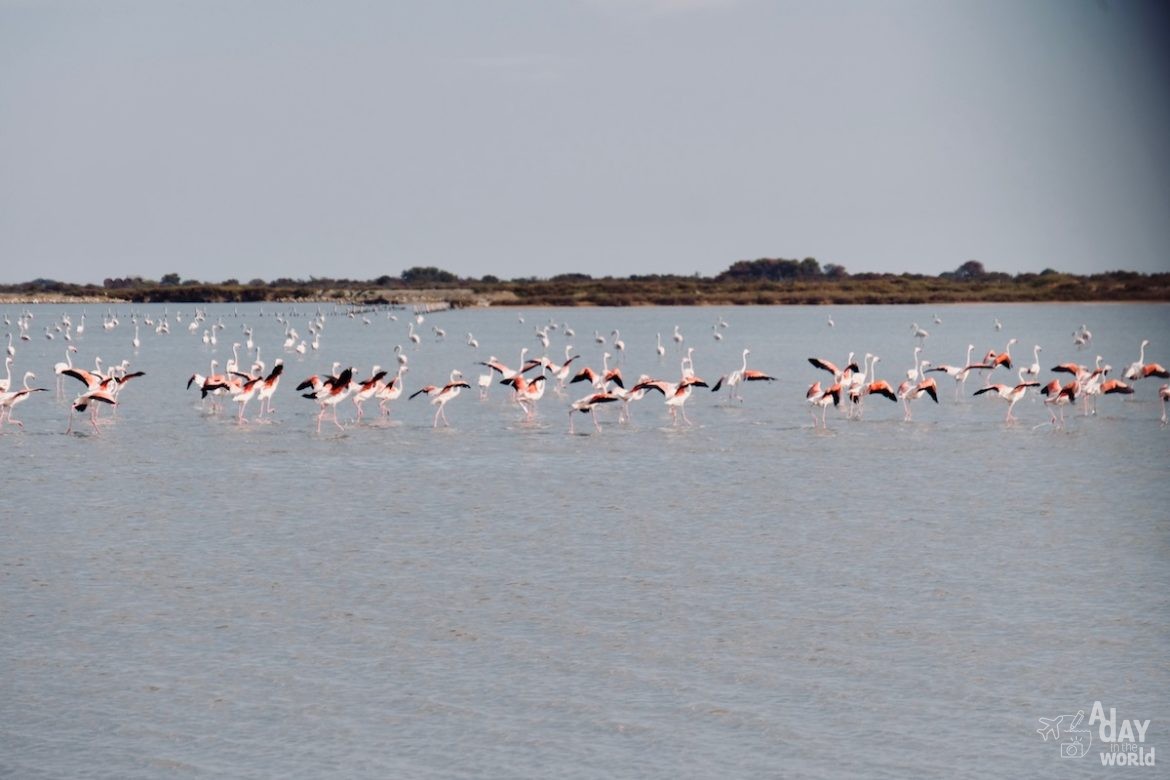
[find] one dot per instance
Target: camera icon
(1073, 749)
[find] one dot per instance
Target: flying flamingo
(441, 395)
(268, 389)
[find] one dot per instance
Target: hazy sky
(265, 138)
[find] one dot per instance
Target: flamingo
(1141, 369)
(742, 374)
(60, 368)
(213, 384)
(850, 366)
(561, 372)
(527, 392)
(1010, 394)
(919, 333)
(618, 344)
(1164, 394)
(676, 395)
(1059, 396)
(247, 392)
(661, 350)
(1097, 385)
(960, 373)
(333, 391)
(391, 391)
(7, 381)
(1034, 369)
(508, 373)
(589, 404)
(909, 391)
(822, 398)
(1002, 359)
(367, 388)
(677, 336)
(9, 400)
(441, 395)
(602, 379)
(86, 400)
(626, 396)
(878, 386)
(268, 389)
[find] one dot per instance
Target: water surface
(747, 596)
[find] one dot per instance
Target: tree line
(745, 282)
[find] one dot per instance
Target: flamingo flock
(842, 385)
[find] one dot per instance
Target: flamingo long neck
(743, 368)
(970, 349)
(1141, 354)
(28, 375)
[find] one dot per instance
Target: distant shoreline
(755, 283)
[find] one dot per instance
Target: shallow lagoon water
(747, 596)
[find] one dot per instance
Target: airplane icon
(1050, 727)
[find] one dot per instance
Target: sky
(264, 139)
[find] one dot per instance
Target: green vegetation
(747, 282)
